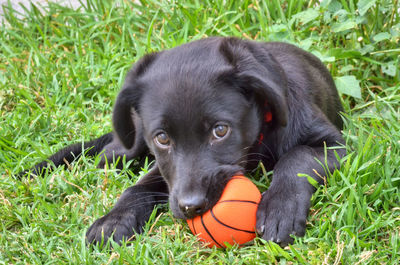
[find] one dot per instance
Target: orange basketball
(233, 218)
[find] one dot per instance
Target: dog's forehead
(188, 96)
(186, 79)
(191, 102)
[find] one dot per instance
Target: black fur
(182, 95)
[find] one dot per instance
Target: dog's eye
(162, 140)
(220, 131)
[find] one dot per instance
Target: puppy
(209, 109)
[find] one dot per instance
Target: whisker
(152, 192)
(153, 181)
(148, 195)
(269, 150)
(244, 159)
(133, 204)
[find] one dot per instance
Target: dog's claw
(260, 231)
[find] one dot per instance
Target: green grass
(60, 71)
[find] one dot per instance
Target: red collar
(267, 119)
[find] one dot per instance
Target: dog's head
(200, 107)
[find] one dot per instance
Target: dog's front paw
(120, 224)
(281, 214)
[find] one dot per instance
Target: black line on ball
(231, 227)
(253, 202)
(194, 228)
(208, 232)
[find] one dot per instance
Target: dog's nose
(192, 206)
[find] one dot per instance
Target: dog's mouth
(196, 202)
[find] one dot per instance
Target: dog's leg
(69, 153)
(109, 144)
(285, 205)
(131, 211)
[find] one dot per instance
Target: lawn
(61, 69)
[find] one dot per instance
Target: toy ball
(232, 220)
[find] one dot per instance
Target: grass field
(61, 69)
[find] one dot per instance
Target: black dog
(209, 109)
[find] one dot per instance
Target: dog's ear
(127, 103)
(256, 71)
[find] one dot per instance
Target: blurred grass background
(61, 68)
